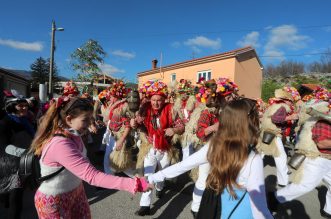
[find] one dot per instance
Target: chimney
(154, 63)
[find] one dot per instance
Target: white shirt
(251, 177)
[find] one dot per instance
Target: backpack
(29, 169)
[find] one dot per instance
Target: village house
(14, 80)
(243, 66)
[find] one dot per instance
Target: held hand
(133, 123)
(150, 187)
(93, 129)
(139, 119)
(215, 127)
(119, 145)
(143, 185)
(169, 132)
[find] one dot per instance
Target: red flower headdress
(293, 91)
(70, 88)
(225, 86)
(185, 86)
(156, 88)
(118, 90)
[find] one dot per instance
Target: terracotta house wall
(223, 68)
(248, 76)
(243, 68)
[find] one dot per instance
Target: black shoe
(159, 194)
(325, 215)
(194, 214)
(143, 210)
(272, 202)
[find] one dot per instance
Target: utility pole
(51, 60)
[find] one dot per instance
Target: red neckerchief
(165, 119)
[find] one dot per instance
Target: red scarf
(157, 133)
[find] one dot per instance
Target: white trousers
(187, 151)
(315, 170)
(153, 159)
(281, 163)
(200, 186)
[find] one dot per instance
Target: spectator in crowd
(16, 134)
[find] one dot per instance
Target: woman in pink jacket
(59, 143)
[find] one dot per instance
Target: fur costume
(305, 144)
(122, 159)
(268, 125)
(190, 128)
(178, 111)
(145, 146)
(190, 135)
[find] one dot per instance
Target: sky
(133, 32)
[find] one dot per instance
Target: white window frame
(171, 77)
(207, 74)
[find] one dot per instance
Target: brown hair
(229, 148)
(54, 120)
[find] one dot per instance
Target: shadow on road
(290, 210)
(182, 188)
(322, 190)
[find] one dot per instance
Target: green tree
(86, 60)
(40, 72)
(268, 88)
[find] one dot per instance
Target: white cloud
(251, 39)
(203, 42)
(284, 37)
(123, 54)
(34, 46)
(110, 70)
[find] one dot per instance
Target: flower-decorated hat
(156, 88)
(145, 86)
(293, 91)
(118, 90)
(104, 95)
(320, 93)
(225, 86)
(185, 86)
(70, 88)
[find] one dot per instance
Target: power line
(303, 54)
(139, 35)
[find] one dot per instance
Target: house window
(173, 77)
(204, 74)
